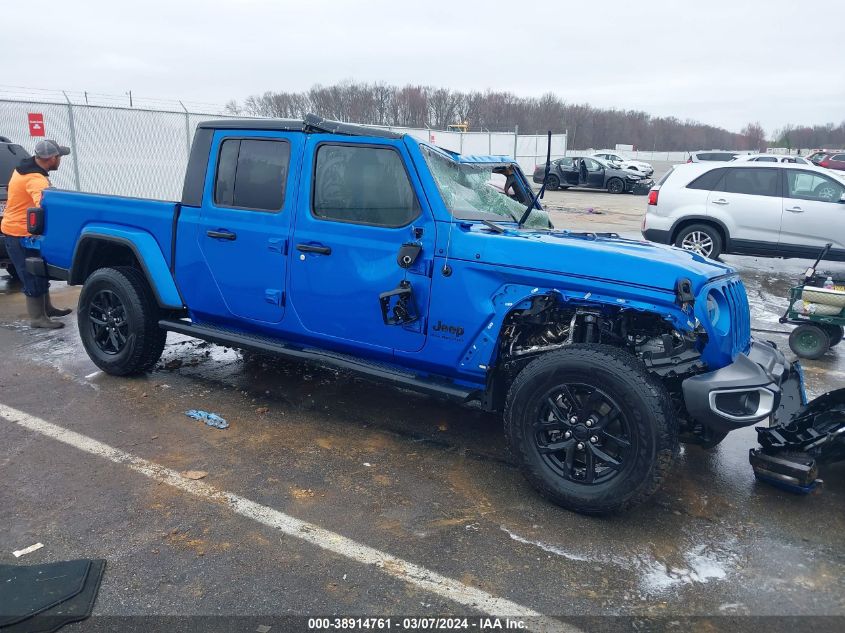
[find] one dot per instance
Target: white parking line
(406, 571)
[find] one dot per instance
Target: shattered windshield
(468, 190)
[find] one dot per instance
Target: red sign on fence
(36, 124)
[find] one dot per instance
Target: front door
(813, 214)
(360, 203)
(592, 174)
(244, 223)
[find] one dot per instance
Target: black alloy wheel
(583, 434)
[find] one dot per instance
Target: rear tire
(834, 333)
(809, 341)
(552, 182)
(700, 238)
(621, 432)
(118, 321)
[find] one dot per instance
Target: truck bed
(69, 214)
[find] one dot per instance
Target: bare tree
(755, 137)
(589, 127)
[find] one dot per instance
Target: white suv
(625, 163)
(769, 209)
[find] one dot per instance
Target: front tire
(591, 430)
(615, 185)
(118, 321)
(809, 341)
(700, 238)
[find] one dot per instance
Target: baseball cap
(49, 148)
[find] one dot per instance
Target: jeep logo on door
(444, 330)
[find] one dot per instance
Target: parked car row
(592, 173)
(782, 209)
(829, 159)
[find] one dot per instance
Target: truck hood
(589, 255)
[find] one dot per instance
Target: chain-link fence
(143, 153)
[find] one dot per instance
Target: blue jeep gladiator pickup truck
(370, 251)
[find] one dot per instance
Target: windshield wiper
(539, 194)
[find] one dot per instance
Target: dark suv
(11, 155)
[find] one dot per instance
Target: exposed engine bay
(549, 325)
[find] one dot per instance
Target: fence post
(515, 137)
(73, 141)
(489, 142)
(187, 129)
(461, 143)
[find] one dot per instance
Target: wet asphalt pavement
(423, 480)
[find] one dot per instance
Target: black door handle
(222, 235)
(314, 248)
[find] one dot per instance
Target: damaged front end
(792, 450)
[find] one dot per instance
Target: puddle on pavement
(692, 562)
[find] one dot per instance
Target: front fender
(146, 251)
(481, 352)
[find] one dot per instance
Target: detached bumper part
(747, 391)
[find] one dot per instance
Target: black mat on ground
(43, 598)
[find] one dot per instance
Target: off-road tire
(654, 427)
(145, 340)
(552, 183)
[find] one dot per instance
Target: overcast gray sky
(725, 62)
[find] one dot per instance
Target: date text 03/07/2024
(416, 623)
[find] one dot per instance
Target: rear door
(360, 203)
(813, 213)
(748, 201)
(245, 221)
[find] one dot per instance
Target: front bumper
(757, 386)
(639, 187)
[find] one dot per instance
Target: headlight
(712, 308)
(717, 311)
(633, 177)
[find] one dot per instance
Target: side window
(565, 162)
(363, 185)
(754, 181)
(838, 157)
(709, 181)
(705, 156)
(806, 185)
(592, 165)
(765, 159)
(251, 174)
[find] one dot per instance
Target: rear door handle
(796, 210)
(314, 248)
(222, 234)
(721, 201)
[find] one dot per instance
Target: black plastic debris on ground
(43, 598)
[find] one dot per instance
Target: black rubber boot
(53, 311)
(38, 315)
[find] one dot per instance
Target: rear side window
(765, 159)
(708, 181)
(806, 185)
(363, 185)
(252, 173)
(838, 157)
(754, 181)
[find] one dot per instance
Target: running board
(384, 372)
